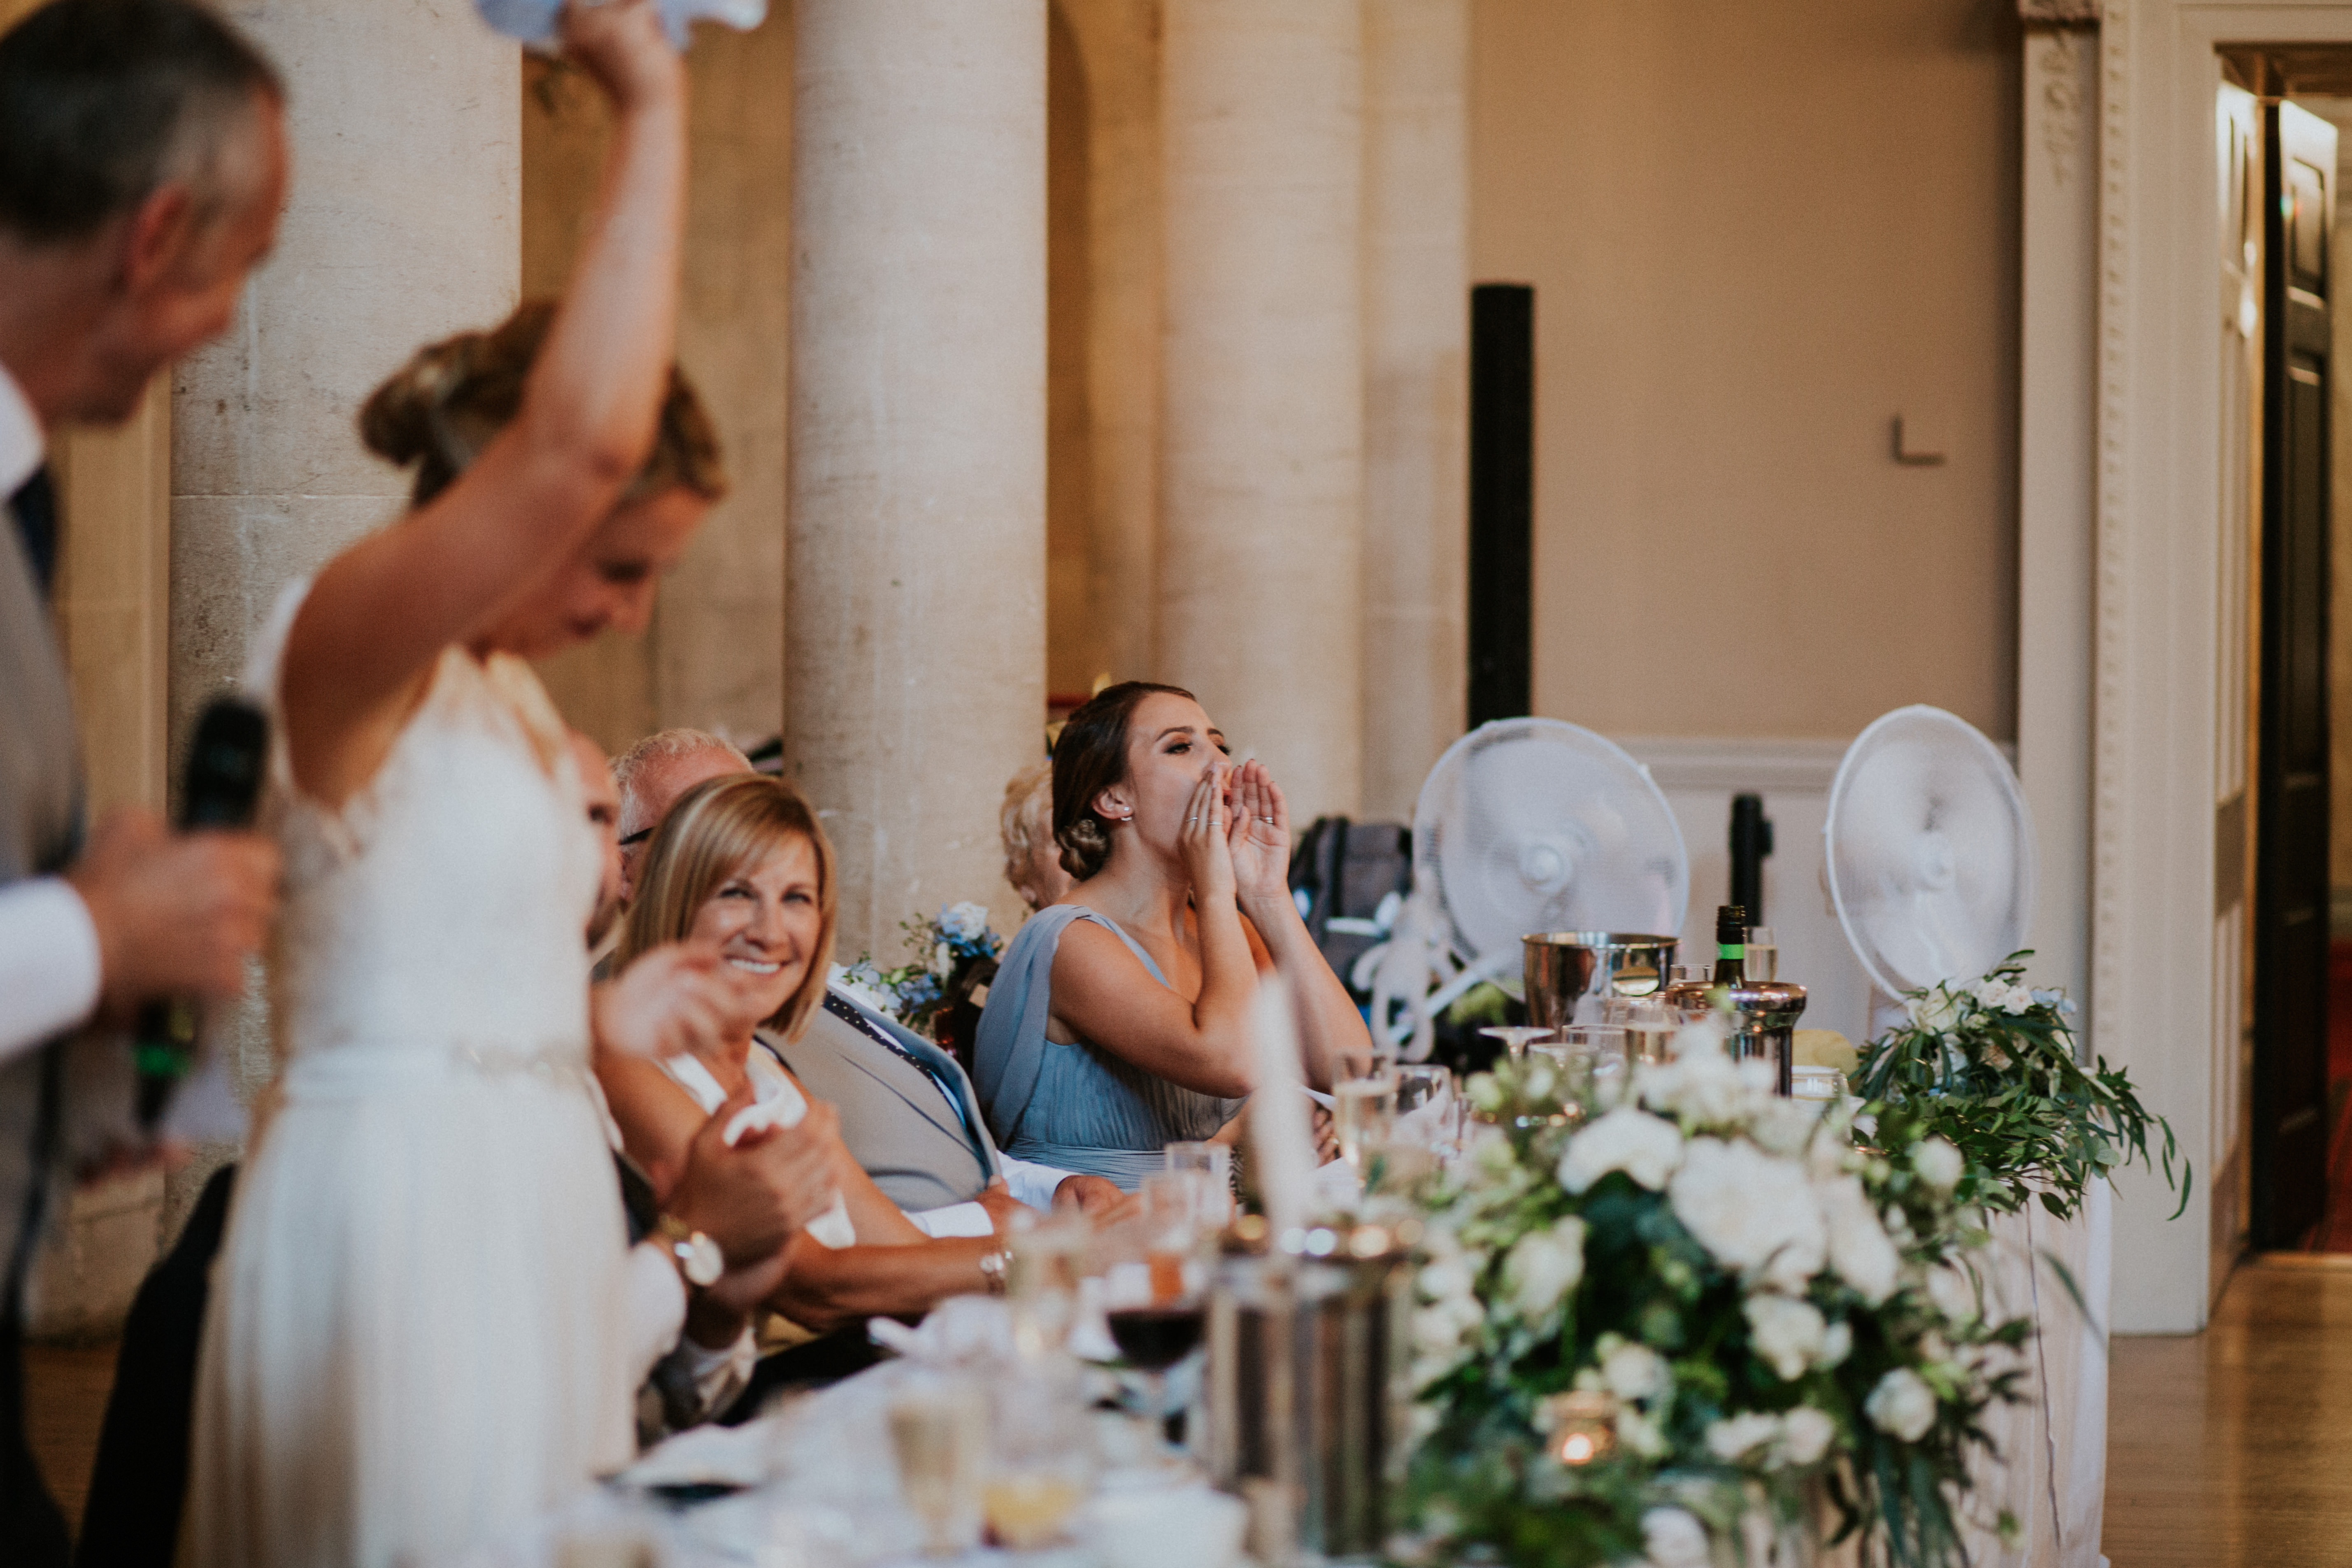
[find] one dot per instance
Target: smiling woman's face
(1170, 744)
(766, 918)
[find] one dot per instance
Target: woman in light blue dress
(1118, 1020)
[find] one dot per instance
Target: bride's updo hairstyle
(1089, 758)
(448, 402)
(716, 830)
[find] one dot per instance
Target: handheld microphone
(226, 762)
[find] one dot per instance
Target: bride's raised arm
(372, 626)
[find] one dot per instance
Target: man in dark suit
(142, 165)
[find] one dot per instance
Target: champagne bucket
(1563, 966)
(1310, 1385)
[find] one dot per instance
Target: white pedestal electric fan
(1525, 824)
(1927, 850)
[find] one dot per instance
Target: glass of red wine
(1155, 1292)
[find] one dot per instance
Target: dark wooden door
(2291, 860)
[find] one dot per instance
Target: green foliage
(1666, 1330)
(1991, 1067)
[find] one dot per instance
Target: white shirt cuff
(49, 962)
(1033, 1184)
(954, 1219)
(656, 1307)
(718, 1375)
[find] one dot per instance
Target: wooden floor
(2232, 1448)
(65, 1400)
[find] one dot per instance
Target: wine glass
(1515, 1037)
(939, 1430)
(1155, 1296)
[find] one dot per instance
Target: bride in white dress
(421, 1322)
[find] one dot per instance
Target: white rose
(1736, 1437)
(1936, 1012)
(1785, 1333)
(1674, 1538)
(1837, 1343)
(1445, 1278)
(1806, 1435)
(1858, 1249)
(1544, 1267)
(1641, 1433)
(1785, 1126)
(1750, 1211)
(1938, 1163)
(1702, 1086)
(1902, 1405)
(1635, 1370)
(1646, 1147)
(942, 960)
(965, 921)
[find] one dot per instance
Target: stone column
(1118, 46)
(401, 227)
(1416, 391)
(915, 564)
(1261, 609)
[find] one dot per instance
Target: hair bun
(399, 420)
(1085, 847)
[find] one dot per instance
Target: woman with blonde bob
(741, 865)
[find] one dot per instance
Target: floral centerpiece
(1990, 1065)
(947, 949)
(1707, 1316)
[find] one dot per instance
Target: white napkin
(705, 1455)
(784, 1109)
(533, 21)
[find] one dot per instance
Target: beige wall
(714, 654)
(1757, 234)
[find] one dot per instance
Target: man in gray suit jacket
(141, 166)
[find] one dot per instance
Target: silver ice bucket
(1563, 966)
(1310, 1386)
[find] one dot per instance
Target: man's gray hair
(661, 747)
(102, 102)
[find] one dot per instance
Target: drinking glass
(939, 1431)
(1363, 1109)
(1763, 959)
(1210, 1169)
(1422, 1085)
(1040, 1458)
(1044, 1259)
(1649, 1026)
(1613, 1067)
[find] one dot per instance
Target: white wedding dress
(417, 1336)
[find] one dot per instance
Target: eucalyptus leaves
(1990, 1065)
(1647, 1331)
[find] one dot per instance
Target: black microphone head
(226, 763)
